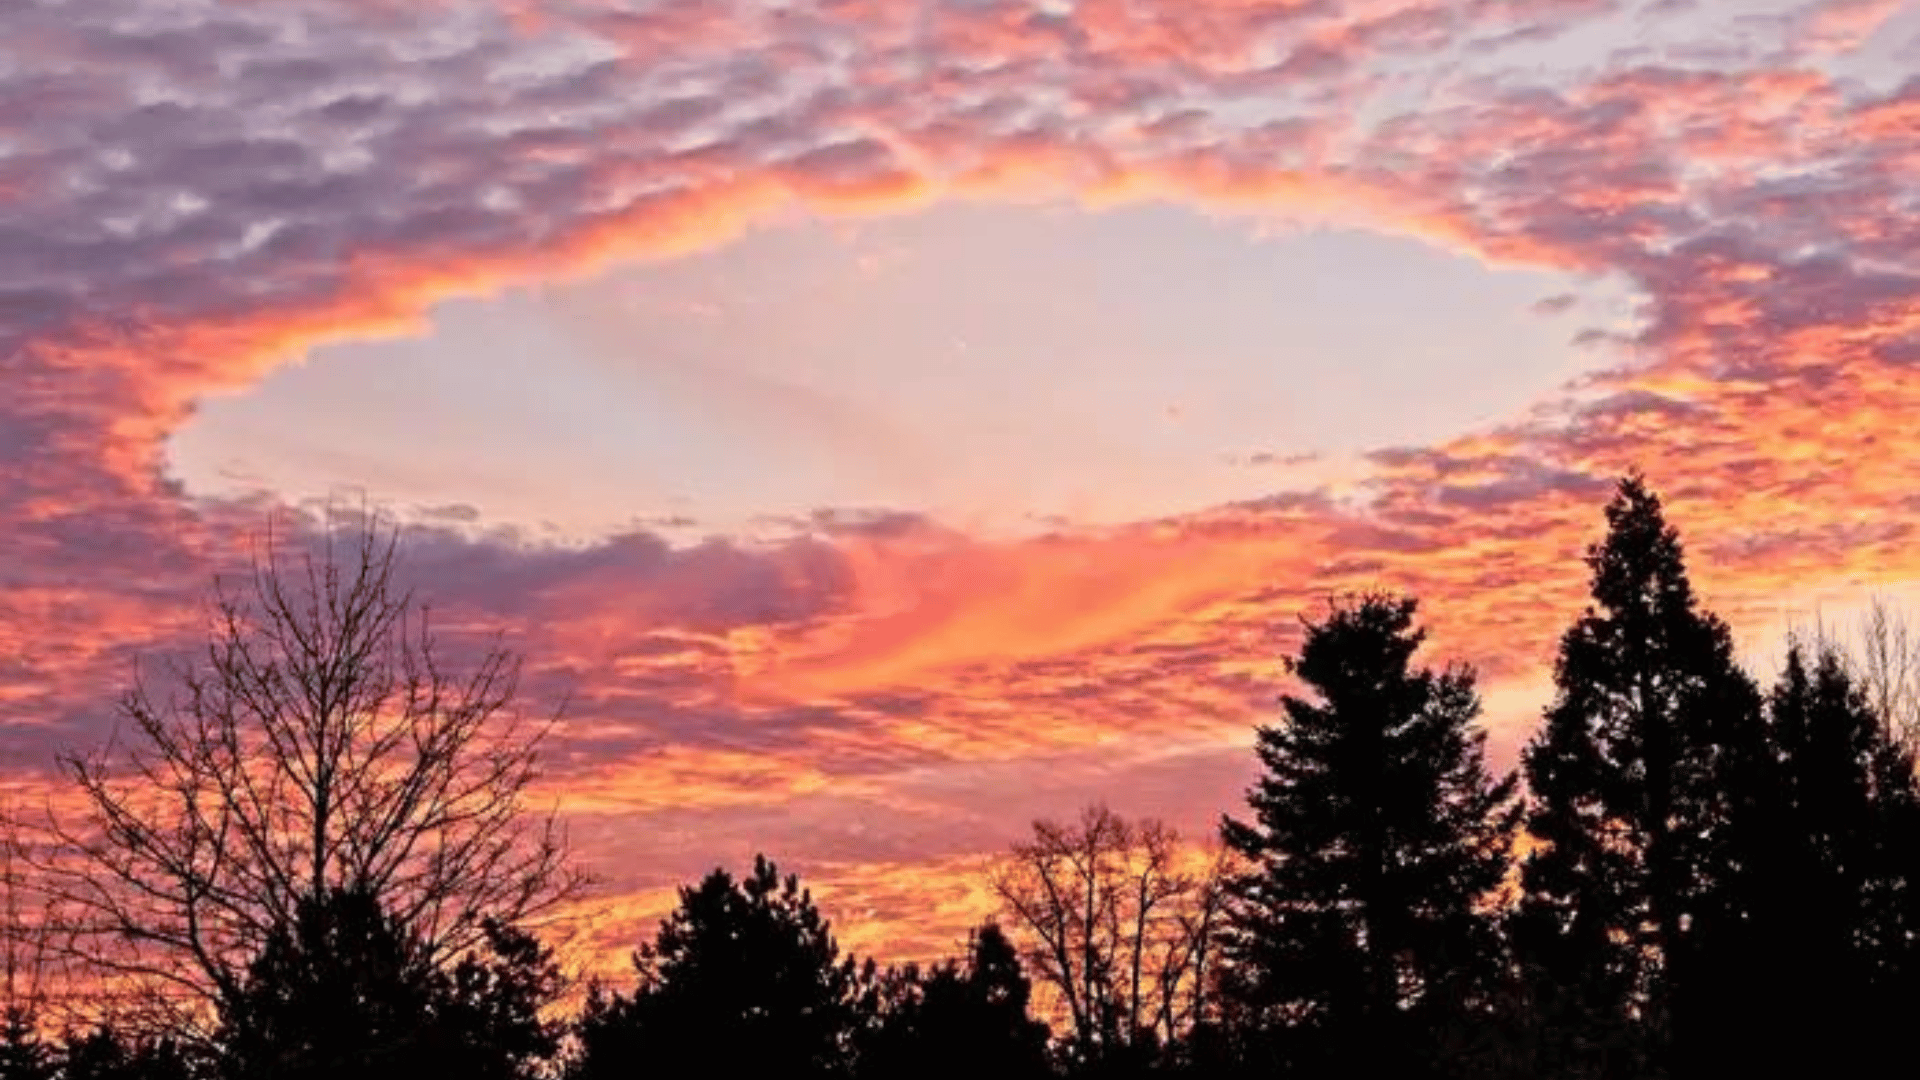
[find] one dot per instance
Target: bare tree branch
(1881, 650)
(1119, 920)
(321, 742)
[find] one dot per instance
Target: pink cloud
(183, 232)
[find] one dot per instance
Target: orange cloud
(841, 691)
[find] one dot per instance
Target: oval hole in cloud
(990, 364)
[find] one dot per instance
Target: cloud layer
(193, 193)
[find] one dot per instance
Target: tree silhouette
(344, 991)
(492, 1004)
(743, 978)
(1652, 730)
(1831, 941)
(105, 1053)
(349, 991)
(1880, 651)
(323, 742)
(1120, 921)
(1378, 835)
(24, 1054)
(957, 1021)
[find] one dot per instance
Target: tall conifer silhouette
(1653, 736)
(1377, 835)
(1833, 926)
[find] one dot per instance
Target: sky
(992, 365)
(886, 422)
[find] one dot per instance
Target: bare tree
(322, 742)
(1120, 920)
(26, 960)
(1882, 652)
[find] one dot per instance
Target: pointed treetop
(1640, 564)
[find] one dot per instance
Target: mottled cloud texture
(193, 192)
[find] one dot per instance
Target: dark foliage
(956, 1020)
(1651, 764)
(1378, 836)
(743, 978)
(347, 991)
(24, 1053)
(1831, 955)
(106, 1054)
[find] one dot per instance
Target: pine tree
(956, 1020)
(743, 978)
(1360, 929)
(997, 995)
(1836, 941)
(346, 991)
(1653, 738)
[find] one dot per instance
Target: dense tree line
(1690, 874)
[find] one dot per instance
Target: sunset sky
(889, 421)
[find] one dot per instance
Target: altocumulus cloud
(194, 192)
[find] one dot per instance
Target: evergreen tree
(957, 1020)
(743, 978)
(487, 1011)
(1837, 943)
(106, 1054)
(342, 991)
(346, 991)
(1892, 891)
(1378, 833)
(24, 1055)
(1653, 738)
